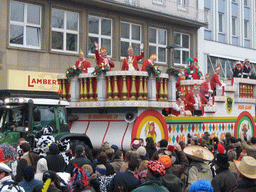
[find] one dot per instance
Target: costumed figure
(197, 74)
(246, 69)
(190, 69)
(150, 131)
(216, 78)
(82, 63)
(43, 140)
(205, 87)
(194, 100)
(179, 108)
(238, 70)
(130, 63)
(64, 147)
(102, 56)
(148, 62)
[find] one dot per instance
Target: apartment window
(246, 25)
(130, 35)
(160, 2)
(157, 44)
(100, 30)
(25, 25)
(181, 54)
(182, 2)
(65, 31)
(220, 22)
(234, 26)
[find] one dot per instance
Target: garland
(100, 69)
(173, 71)
(72, 71)
(152, 69)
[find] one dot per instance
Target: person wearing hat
(79, 159)
(247, 175)
(201, 186)
(194, 100)
(216, 78)
(197, 74)
(170, 181)
(246, 69)
(82, 63)
(130, 63)
(190, 69)
(102, 56)
(179, 108)
(205, 87)
(150, 61)
(156, 171)
(224, 180)
(250, 149)
(6, 182)
(238, 70)
(198, 169)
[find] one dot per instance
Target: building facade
(46, 36)
(229, 36)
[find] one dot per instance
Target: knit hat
(136, 144)
(190, 60)
(195, 59)
(141, 151)
(88, 169)
(101, 169)
(114, 147)
(170, 148)
(54, 149)
(156, 168)
(201, 186)
(165, 160)
(220, 148)
(222, 161)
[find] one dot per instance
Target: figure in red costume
(205, 88)
(216, 78)
(102, 56)
(148, 62)
(190, 69)
(130, 63)
(194, 100)
(179, 109)
(197, 74)
(82, 63)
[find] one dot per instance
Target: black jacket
(56, 163)
(80, 161)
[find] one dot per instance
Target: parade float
(117, 106)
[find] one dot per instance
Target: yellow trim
(193, 118)
(150, 119)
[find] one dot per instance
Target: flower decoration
(152, 69)
(101, 69)
(72, 71)
(173, 71)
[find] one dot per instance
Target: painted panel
(235, 40)
(222, 38)
(207, 35)
(234, 10)
(247, 13)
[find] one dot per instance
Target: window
(246, 25)
(208, 16)
(246, 3)
(130, 35)
(100, 30)
(160, 2)
(65, 31)
(157, 44)
(131, 2)
(182, 2)
(234, 26)
(25, 25)
(181, 54)
(220, 22)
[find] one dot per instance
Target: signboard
(32, 81)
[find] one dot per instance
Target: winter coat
(152, 186)
(80, 161)
(117, 164)
(224, 181)
(250, 149)
(56, 163)
(236, 146)
(150, 151)
(179, 169)
(171, 182)
(32, 158)
(245, 186)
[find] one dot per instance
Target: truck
(24, 117)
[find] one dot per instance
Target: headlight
(26, 129)
(7, 100)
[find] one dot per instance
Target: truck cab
(25, 117)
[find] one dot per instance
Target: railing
(244, 88)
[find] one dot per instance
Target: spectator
(94, 183)
(231, 157)
(163, 147)
(29, 182)
(128, 158)
(141, 151)
(20, 142)
(201, 186)
(234, 144)
(102, 159)
(6, 182)
(115, 147)
(104, 180)
(141, 142)
(155, 171)
(135, 144)
(182, 145)
(118, 161)
(126, 181)
(55, 161)
(170, 181)
(250, 149)
(79, 159)
(150, 147)
(110, 152)
(105, 146)
(247, 173)
(224, 181)
(41, 168)
(29, 155)
(198, 170)
(20, 170)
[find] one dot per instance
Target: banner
(32, 81)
